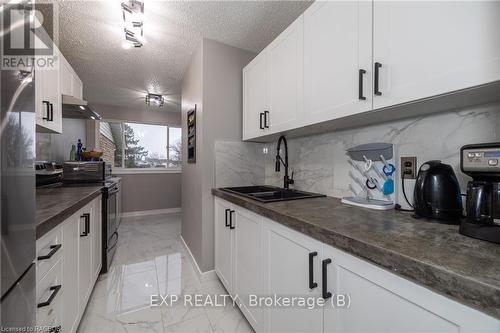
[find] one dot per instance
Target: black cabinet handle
(51, 112)
(86, 230)
(53, 250)
(362, 72)
(87, 223)
(377, 70)
(47, 110)
(55, 290)
(261, 122)
(312, 284)
(326, 293)
(227, 220)
(266, 120)
(231, 226)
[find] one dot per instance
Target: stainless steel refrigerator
(17, 204)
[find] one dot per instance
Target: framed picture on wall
(191, 135)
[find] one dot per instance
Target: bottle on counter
(72, 154)
(79, 150)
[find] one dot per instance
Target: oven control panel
(481, 159)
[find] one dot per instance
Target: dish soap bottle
(72, 154)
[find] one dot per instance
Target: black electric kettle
(437, 193)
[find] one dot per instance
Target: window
(140, 146)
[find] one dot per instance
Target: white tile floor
(150, 260)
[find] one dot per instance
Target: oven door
(112, 216)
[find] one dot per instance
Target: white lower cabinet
(265, 258)
(68, 258)
(238, 262)
(70, 231)
(381, 301)
(288, 257)
(248, 279)
(223, 244)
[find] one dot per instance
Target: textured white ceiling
(91, 37)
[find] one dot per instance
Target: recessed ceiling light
(81, 107)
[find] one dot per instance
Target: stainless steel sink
(270, 193)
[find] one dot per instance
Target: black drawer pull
(362, 72)
(51, 112)
(266, 120)
(378, 65)
(326, 293)
(312, 284)
(55, 290)
(231, 226)
(86, 230)
(261, 122)
(53, 250)
(227, 220)
(47, 110)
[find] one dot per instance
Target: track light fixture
(133, 12)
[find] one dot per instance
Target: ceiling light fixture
(133, 12)
(154, 99)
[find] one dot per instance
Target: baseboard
(203, 276)
(152, 212)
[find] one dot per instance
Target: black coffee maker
(482, 163)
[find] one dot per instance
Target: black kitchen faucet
(286, 180)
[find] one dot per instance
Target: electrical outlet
(409, 167)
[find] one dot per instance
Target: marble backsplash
(238, 164)
(319, 162)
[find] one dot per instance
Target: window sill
(121, 171)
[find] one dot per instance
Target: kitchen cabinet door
(96, 225)
(337, 46)
(286, 273)
(427, 48)
(254, 97)
(285, 78)
(248, 277)
(380, 301)
(71, 306)
(66, 77)
(224, 243)
(77, 87)
(85, 271)
(48, 99)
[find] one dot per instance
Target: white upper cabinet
(285, 78)
(427, 48)
(337, 59)
(254, 97)
(342, 58)
(48, 102)
(71, 84)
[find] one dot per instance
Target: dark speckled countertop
(431, 254)
(55, 204)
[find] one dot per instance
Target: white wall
(214, 82)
